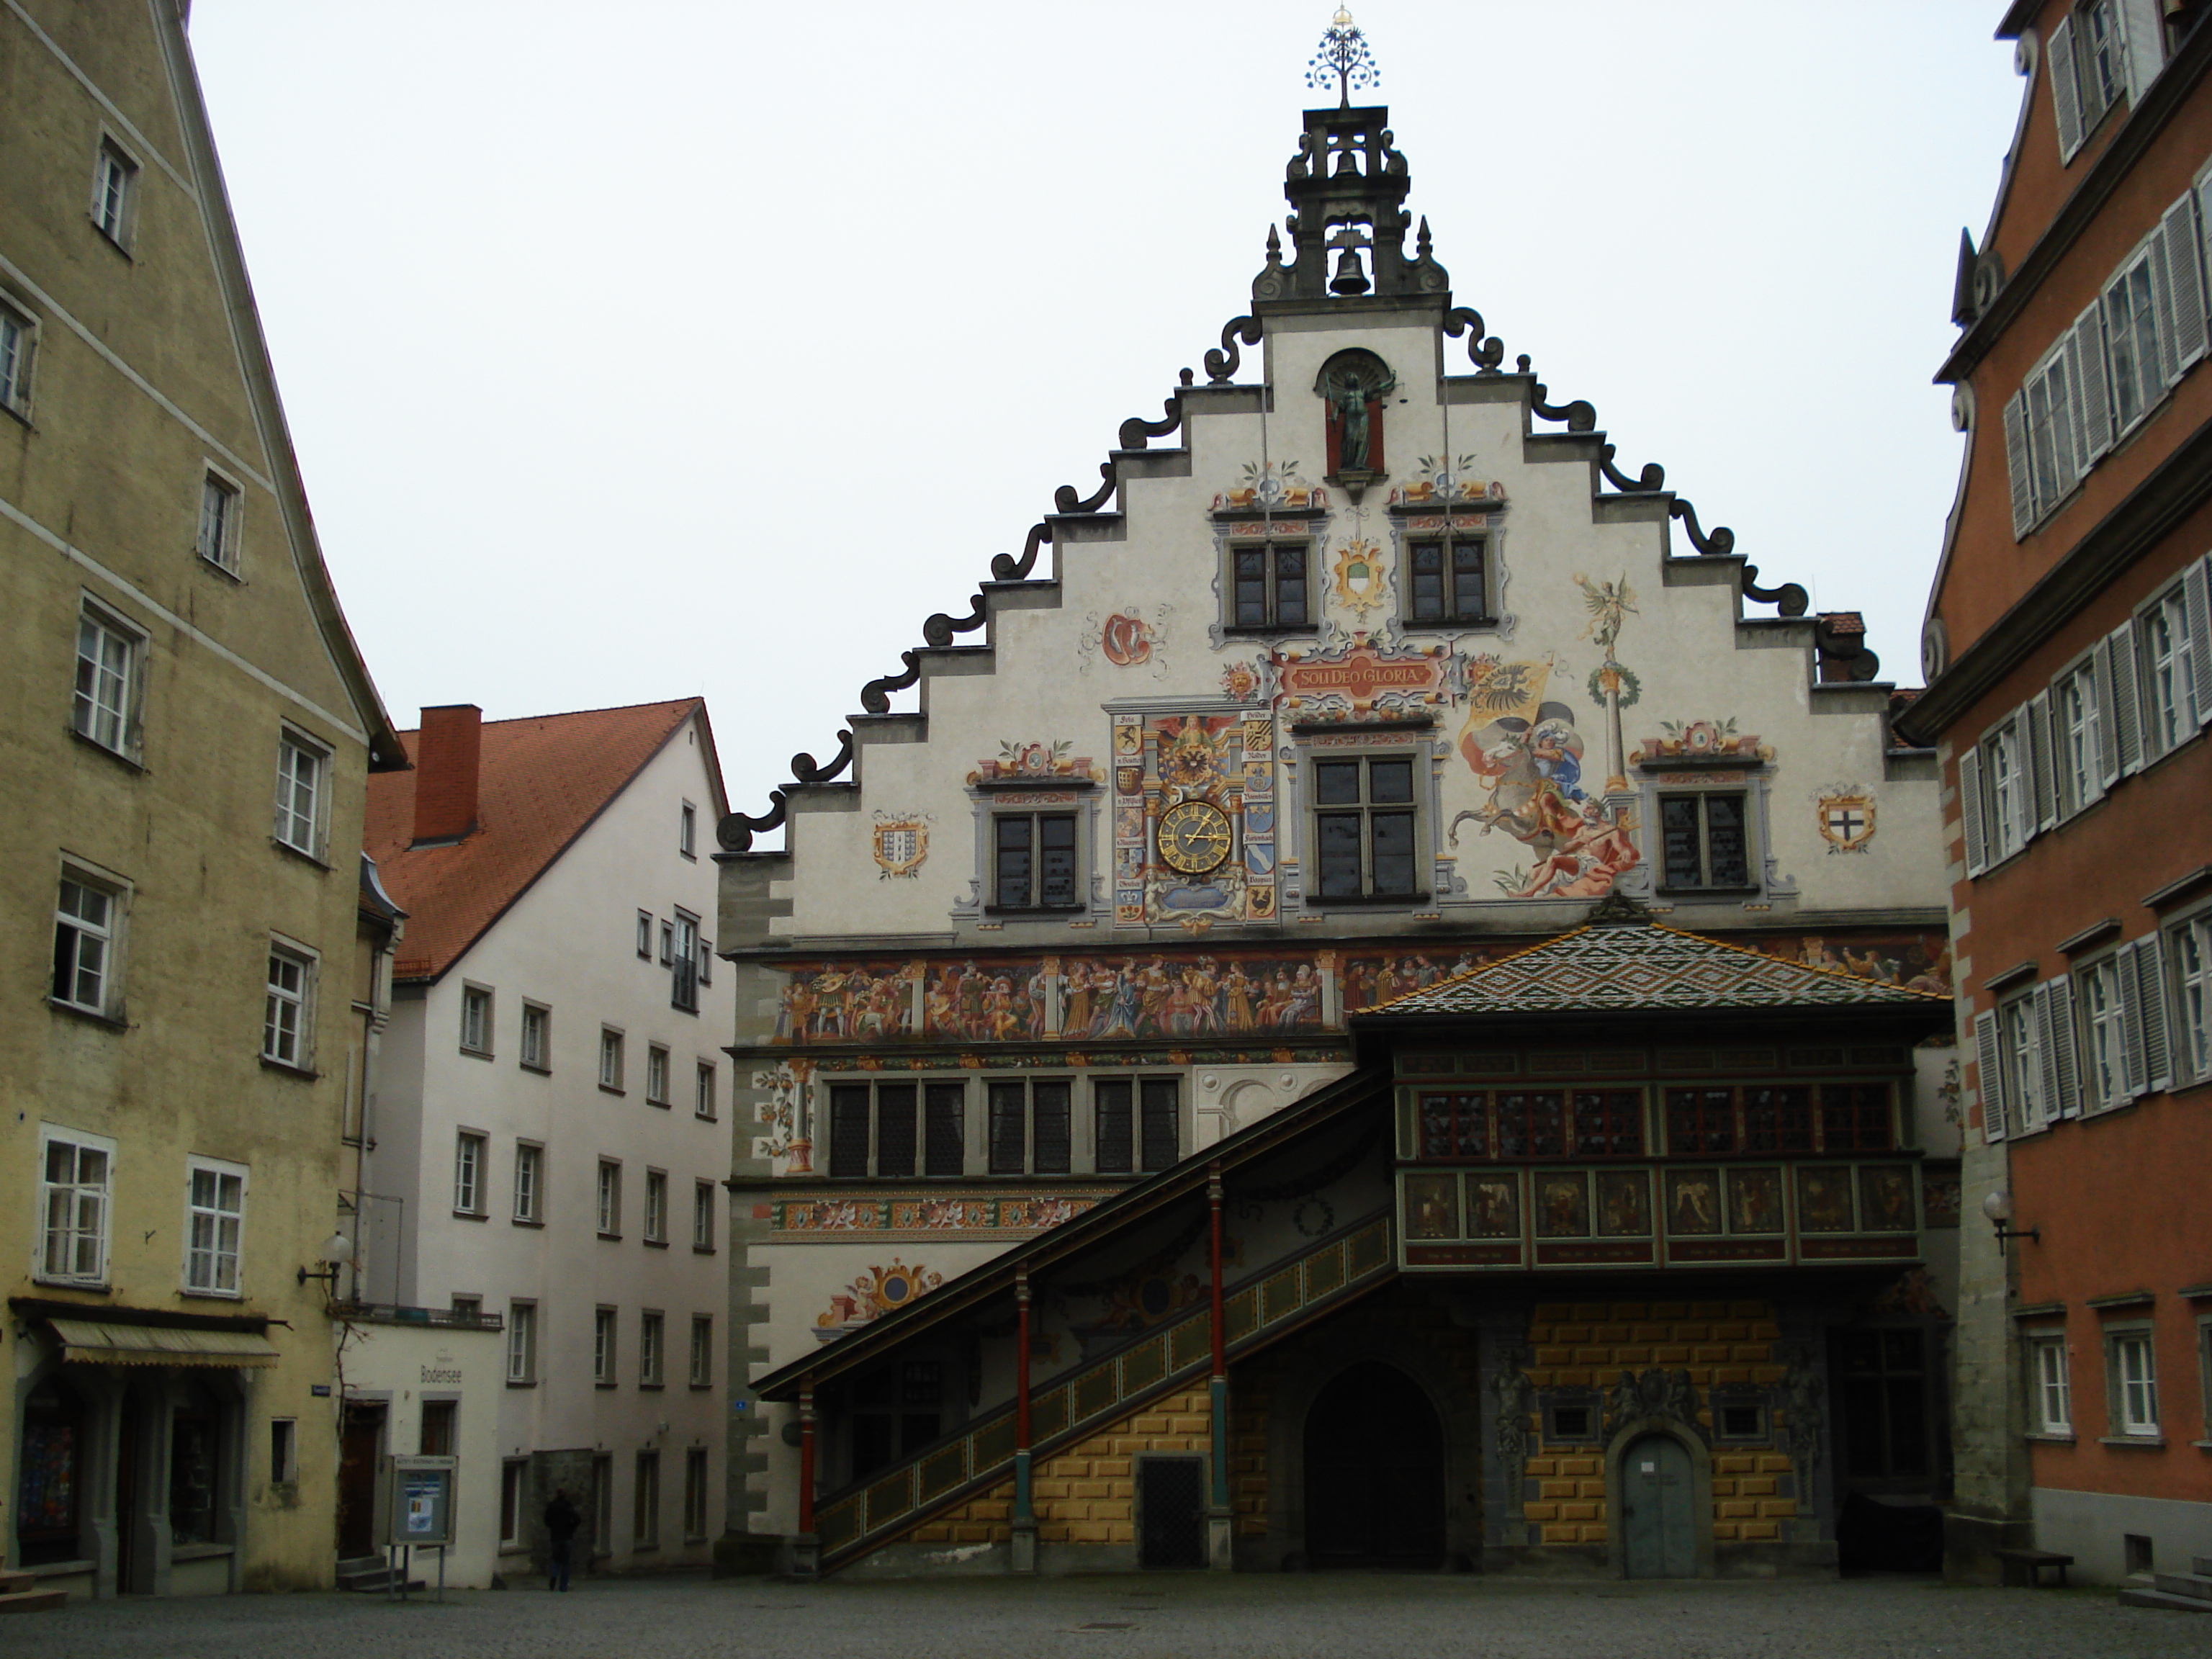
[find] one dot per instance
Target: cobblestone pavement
(1151, 1617)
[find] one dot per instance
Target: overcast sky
(643, 351)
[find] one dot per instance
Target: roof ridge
(697, 700)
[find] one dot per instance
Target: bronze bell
(1349, 279)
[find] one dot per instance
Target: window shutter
(2016, 467)
(1992, 1076)
(2132, 1071)
(2043, 809)
(2108, 719)
(2197, 601)
(2058, 1044)
(2150, 1001)
(2036, 1111)
(1969, 810)
(2185, 279)
(2127, 721)
(2092, 383)
(2162, 307)
(2142, 34)
(2065, 91)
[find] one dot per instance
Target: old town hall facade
(1386, 1003)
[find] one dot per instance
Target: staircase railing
(1257, 1310)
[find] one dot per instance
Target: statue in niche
(1353, 384)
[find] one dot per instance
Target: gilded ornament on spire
(1344, 54)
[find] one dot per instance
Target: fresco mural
(1438, 480)
(1528, 751)
(1125, 638)
(876, 1292)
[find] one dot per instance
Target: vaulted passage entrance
(1375, 1472)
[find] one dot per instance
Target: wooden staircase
(1256, 1311)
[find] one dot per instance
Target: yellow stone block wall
(1086, 1494)
(1588, 1345)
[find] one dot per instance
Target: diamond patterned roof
(1632, 966)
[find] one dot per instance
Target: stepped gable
(541, 781)
(1644, 966)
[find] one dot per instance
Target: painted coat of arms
(901, 844)
(1360, 578)
(1846, 818)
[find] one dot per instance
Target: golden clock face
(1194, 837)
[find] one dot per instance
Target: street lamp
(337, 1250)
(1998, 1207)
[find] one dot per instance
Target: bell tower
(1346, 187)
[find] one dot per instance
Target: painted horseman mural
(1424, 1090)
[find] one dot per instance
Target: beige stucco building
(186, 727)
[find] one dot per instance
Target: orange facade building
(2069, 665)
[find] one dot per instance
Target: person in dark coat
(562, 1520)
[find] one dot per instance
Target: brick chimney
(446, 773)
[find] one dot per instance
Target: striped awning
(88, 1341)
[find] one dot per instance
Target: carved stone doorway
(1375, 1472)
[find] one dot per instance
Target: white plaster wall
(387, 1363)
(1682, 642)
(569, 943)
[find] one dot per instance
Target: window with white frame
(2167, 653)
(87, 939)
(644, 935)
(77, 1172)
(2025, 1109)
(221, 508)
(609, 1198)
(687, 831)
(110, 661)
(702, 1215)
(215, 1217)
(115, 192)
(2131, 1369)
(603, 1346)
(702, 1351)
(2077, 739)
(656, 1207)
(2097, 52)
(303, 770)
(656, 1074)
(514, 1483)
(2051, 1398)
(468, 1173)
(287, 1010)
(475, 1019)
(2131, 341)
(2104, 1032)
(2006, 786)
(652, 1326)
(521, 1342)
(610, 1059)
(537, 1037)
(17, 338)
(529, 1181)
(702, 1090)
(2188, 947)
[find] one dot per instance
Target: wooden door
(1659, 1527)
(1375, 1472)
(359, 1442)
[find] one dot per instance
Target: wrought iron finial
(1344, 54)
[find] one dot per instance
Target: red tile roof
(542, 781)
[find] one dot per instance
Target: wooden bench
(2023, 1569)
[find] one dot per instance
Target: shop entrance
(1375, 1472)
